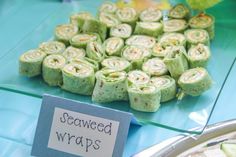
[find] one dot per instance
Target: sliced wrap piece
(136, 55)
(167, 85)
(30, 62)
(195, 81)
(196, 36)
(137, 77)
(122, 31)
(65, 32)
(52, 69)
(160, 50)
(71, 53)
(149, 28)
(199, 56)
(172, 39)
(95, 51)
(176, 61)
(109, 19)
(175, 25)
(90, 62)
(145, 98)
(127, 15)
(108, 7)
(141, 40)
(116, 64)
(52, 47)
(113, 46)
(110, 86)
(150, 15)
(81, 40)
(78, 78)
(155, 67)
(179, 11)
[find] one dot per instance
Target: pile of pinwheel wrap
(146, 58)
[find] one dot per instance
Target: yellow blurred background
(142, 4)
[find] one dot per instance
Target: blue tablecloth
(20, 17)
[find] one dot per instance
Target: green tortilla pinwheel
(81, 40)
(141, 40)
(175, 25)
(116, 64)
(52, 47)
(155, 67)
(30, 62)
(176, 61)
(71, 53)
(196, 36)
(136, 55)
(203, 21)
(127, 15)
(108, 7)
(160, 50)
(195, 81)
(65, 32)
(137, 77)
(109, 19)
(150, 15)
(113, 46)
(122, 31)
(167, 85)
(95, 26)
(90, 62)
(179, 11)
(78, 78)
(79, 18)
(172, 39)
(110, 86)
(148, 28)
(95, 51)
(52, 67)
(199, 55)
(145, 98)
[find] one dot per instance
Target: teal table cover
(24, 24)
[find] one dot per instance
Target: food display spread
(125, 55)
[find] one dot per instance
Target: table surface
(20, 17)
